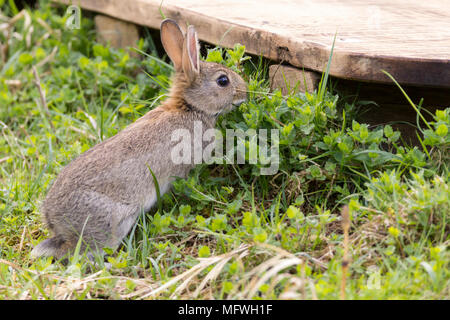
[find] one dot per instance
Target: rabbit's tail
(53, 247)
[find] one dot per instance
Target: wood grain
(287, 78)
(408, 38)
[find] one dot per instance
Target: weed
(226, 231)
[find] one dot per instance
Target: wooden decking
(408, 38)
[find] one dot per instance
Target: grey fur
(106, 188)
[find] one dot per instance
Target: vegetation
(226, 232)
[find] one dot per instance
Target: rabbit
(101, 193)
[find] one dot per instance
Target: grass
(226, 232)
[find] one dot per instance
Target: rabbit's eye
(223, 81)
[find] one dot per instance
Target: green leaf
(364, 132)
(201, 221)
(100, 51)
(185, 209)
(227, 286)
(315, 171)
(25, 58)
(292, 212)
(40, 53)
(442, 130)
(204, 252)
(388, 131)
(259, 235)
(250, 219)
(234, 206)
(214, 55)
(394, 232)
(219, 222)
(83, 62)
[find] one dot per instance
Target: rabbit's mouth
(230, 107)
(238, 103)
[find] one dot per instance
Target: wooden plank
(287, 78)
(118, 33)
(408, 38)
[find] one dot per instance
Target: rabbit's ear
(191, 63)
(172, 40)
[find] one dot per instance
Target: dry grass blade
(17, 17)
(312, 287)
(22, 238)
(45, 25)
(13, 83)
(184, 285)
(268, 271)
(4, 159)
(28, 37)
(71, 283)
(276, 267)
(289, 254)
(12, 265)
(294, 288)
(92, 122)
(87, 134)
(47, 58)
(37, 82)
(345, 261)
(8, 34)
(3, 17)
(212, 275)
(261, 268)
(189, 274)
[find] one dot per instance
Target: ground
(227, 231)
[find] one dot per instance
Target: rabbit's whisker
(261, 92)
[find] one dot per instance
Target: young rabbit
(101, 193)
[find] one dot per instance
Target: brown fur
(100, 194)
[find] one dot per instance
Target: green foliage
(398, 195)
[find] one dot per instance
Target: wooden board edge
(308, 55)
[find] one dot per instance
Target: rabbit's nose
(240, 92)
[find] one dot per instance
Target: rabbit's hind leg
(123, 222)
(56, 247)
